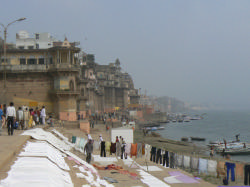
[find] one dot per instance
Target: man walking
(89, 149)
(10, 116)
(43, 115)
(26, 116)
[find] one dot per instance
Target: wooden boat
(197, 139)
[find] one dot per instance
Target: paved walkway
(10, 146)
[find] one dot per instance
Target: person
(10, 116)
(26, 116)
(89, 137)
(43, 115)
(117, 140)
(89, 149)
(19, 117)
(100, 138)
(1, 124)
(212, 151)
(4, 109)
(123, 149)
(36, 116)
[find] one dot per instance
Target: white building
(40, 40)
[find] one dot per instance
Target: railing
(39, 67)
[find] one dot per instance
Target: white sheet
(33, 171)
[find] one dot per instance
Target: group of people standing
(23, 117)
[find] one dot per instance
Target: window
(41, 61)
(22, 61)
(32, 61)
(71, 86)
(82, 92)
(21, 47)
(37, 46)
(31, 47)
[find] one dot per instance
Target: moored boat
(197, 138)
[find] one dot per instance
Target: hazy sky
(195, 50)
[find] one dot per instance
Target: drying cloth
(98, 158)
(128, 148)
(172, 180)
(118, 149)
(147, 151)
(212, 167)
(77, 144)
(230, 166)
(182, 177)
(202, 165)
(112, 148)
(194, 163)
(150, 180)
(96, 145)
(110, 179)
(43, 149)
(139, 150)
(172, 160)
(186, 161)
(73, 139)
(247, 174)
(221, 169)
(239, 171)
(30, 171)
(133, 151)
(143, 149)
(151, 168)
(82, 143)
(180, 161)
(107, 146)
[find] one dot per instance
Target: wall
(27, 89)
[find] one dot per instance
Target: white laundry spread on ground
(98, 158)
(38, 171)
(150, 180)
(43, 149)
(35, 171)
(151, 168)
(172, 180)
(40, 134)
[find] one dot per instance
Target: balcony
(65, 93)
(39, 68)
(64, 67)
(24, 68)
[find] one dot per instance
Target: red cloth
(133, 151)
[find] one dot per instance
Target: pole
(5, 58)
(5, 39)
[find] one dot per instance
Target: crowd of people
(23, 118)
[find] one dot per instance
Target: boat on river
(197, 138)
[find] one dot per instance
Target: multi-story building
(39, 41)
(57, 78)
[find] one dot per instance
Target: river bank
(125, 180)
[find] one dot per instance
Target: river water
(215, 126)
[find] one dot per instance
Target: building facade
(57, 78)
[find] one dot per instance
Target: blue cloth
(203, 165)
(230, 166)
(1, 113)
